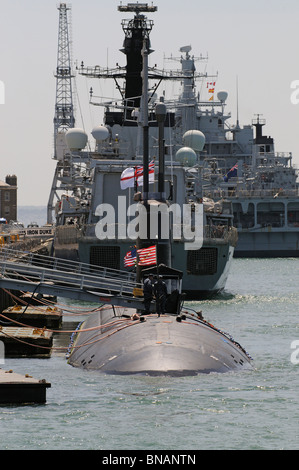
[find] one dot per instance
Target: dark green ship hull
(205, 271)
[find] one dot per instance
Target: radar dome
(222, 96)
(194, 139)
(100, 133)
(186, 156)
(76, 139)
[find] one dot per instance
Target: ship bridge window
(271, 214)
(264, 149)
(243, 219)
(293, 214)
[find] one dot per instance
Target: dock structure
(26, 341)
(38, 316)
(21, 389)
(53, 276)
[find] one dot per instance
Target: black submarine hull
(116, 340)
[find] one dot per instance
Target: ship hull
(156, 346)
(267, 244)
(205, 271)
(267, 227)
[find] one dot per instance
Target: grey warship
(175, 342)
(88, 175)
(240, 164)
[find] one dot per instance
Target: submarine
(120, 342)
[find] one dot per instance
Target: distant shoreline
(28, 214)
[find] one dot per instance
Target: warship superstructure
(262, 186)
(88, 176)
(241, 165)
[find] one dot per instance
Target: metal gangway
(37, 273)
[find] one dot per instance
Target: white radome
(195, 140)
(100, 133)
(76, 138)
(186, 156)
(222, 96)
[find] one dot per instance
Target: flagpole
(145, 128)
(145, 122)
(135, 179)
(160, 116)
(163, 248)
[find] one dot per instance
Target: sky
(255, 42)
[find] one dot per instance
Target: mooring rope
(76, 331)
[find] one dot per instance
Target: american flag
(130, 175)
(147, 256)
(130, 258)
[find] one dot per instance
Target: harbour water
(257, 409)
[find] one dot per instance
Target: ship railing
(274, 156)
(111, 151)
(213, 231)
(88, 283)
(67, 266)
(216, 231)
(253, 193)
(102, 72)
(221, 233)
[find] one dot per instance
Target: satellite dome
(194, 139)
(100, 133)
(222, 96)
(186, 156)
(76, 139)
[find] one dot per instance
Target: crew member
(160, 292)
(148, 293)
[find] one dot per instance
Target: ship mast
(137, 36)
(137, 32)
(64, 110)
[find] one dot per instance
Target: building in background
(8, 198)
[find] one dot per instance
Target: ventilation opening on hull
(106, 256)
(203, 261)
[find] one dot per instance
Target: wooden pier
(26, 342)
(38, 316)
(21, 389)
